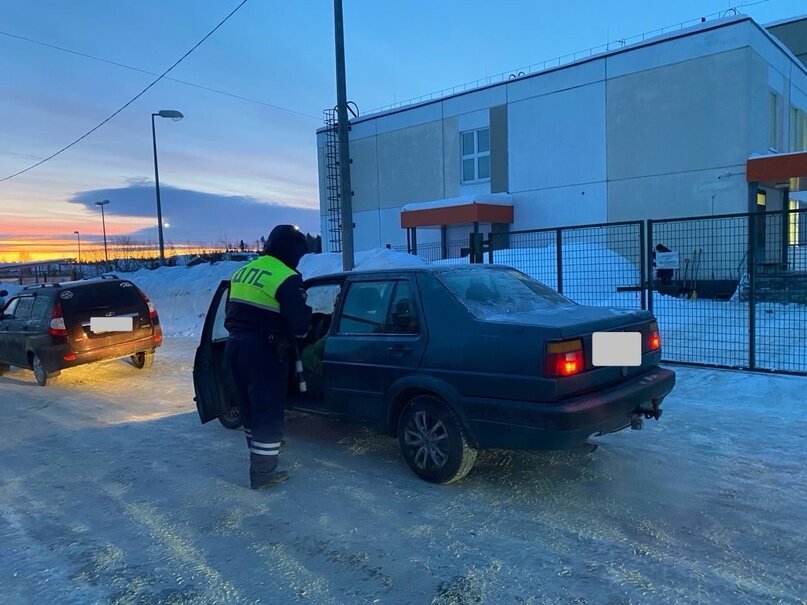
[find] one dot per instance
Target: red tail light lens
(655, 338)
(564, 358)
(57, 326)
(152, 309)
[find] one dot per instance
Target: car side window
(322, 298)
(41, 308)
(365, 307)
(403, 317)
(219, 331)
(24, 306)
(11, 306)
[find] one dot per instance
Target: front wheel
(433, 441)
(143, 360)
(231, 419)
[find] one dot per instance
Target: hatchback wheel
(433, 441)
(39, 372)
(143, 360)
(231, 418)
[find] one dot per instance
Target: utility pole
(346, 194)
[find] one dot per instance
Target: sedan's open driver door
(211, 377)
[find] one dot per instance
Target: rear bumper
(53, 357)
(523, 425)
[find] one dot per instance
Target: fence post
(476, 255)
(752, 293)
(559, 257)
(649, 261)
(490, 248)
(642, 266)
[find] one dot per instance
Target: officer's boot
(263, 472)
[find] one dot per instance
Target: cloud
(197, 216)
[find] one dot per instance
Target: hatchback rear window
(105, 295)
(488, 293)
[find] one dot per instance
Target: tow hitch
(648, 410)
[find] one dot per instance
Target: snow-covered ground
(111, 491)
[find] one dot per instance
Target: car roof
(398, 270)
(59, 286)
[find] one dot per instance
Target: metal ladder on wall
(332, 182)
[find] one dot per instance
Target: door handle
(399, 350)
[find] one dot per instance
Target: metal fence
(728, 291)
(600, 264)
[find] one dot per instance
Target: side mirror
(3, 293)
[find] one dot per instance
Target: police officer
(266, 311)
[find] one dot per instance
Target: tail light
(564, 358)
(152, 309)
(57, 326)
(654, 341)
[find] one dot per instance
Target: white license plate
(98, 325)
(617, 349)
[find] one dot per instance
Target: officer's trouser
(260, 377)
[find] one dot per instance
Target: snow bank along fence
(728, 290)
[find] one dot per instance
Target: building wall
(660, 130)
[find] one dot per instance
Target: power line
(132, 100)
(151, 73)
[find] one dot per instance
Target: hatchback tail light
(57, 326)
(654, 340)
(564, 358)
(155, 319)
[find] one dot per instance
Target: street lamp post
(103, 224)
(78, 240)
(176, 116)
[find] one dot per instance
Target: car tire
(143, 360)
(231, 419)
(39, 372)
(4, 368)
(433, 441)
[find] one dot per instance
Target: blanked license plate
(617, 349)
(99, 325)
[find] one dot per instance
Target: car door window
(219, 331)
(402, 317)
(24, 306)
(322, 298)
(8, 312)
(365, 308)
(41, 308)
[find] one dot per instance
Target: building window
(773, 134)
(475, 146)
(798, 129)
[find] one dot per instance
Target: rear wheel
(39, 372)
(433, 441)
(143, 360)
(231, 418)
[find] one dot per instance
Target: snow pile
(313, 265)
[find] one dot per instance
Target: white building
(659, 129)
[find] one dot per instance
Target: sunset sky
(233, 168)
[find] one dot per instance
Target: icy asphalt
(111, 491)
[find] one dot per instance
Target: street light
(103, 224)
(176, 116)
(78, 239)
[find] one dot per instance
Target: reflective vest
(256, 283)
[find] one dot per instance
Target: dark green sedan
(454, 359)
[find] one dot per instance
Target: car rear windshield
(489, 292)
(112, 294)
